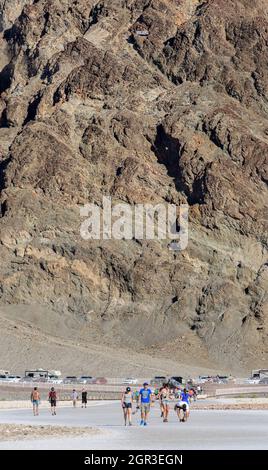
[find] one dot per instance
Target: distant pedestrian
(191, 395)
(165, 396)
(160, 401)
(126, 403)
(52, 398)
(137, 399)
(84, 398)
(35, 399)
(194, 394)
(74, 397)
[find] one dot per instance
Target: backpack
(52, 395)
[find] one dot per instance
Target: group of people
(75, 398)
(145, 398)
(52, 398)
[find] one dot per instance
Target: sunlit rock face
(147, 102)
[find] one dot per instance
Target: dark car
(70, 379)
(177, 379)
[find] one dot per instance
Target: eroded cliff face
(91, 108)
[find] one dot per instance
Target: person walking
(165, 393)
(35, 399)
(160, 401)
(52, 398)
(137, 399)
(126, 403)
(145, 402)
(84, 398)
(74, 397)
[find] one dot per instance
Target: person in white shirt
(74, 397)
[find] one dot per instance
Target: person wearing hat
(126, 403)
(145, 401)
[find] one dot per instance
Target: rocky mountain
(146, 101)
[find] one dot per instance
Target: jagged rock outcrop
(89, 108)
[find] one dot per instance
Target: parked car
(263, 381)
(253, 381)
(13, 378)
(9, 378)
(55, 380)
(26, 379)
(86, 379)
(204, 378)
(221, 379)
(70, 379)
(100, 381)
(175, 381)
(130, 381)
(159, 380)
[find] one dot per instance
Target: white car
(86, 379)
(263, 381)
(55, 381)
(10, 378)
(203, 379)
(253, 381)
(14, 378)
(130, 381)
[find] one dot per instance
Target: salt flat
(205, 430)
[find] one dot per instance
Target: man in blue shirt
(183, 405)
(145, 401)
(185, 396)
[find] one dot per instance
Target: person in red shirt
(52, 398)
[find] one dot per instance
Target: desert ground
(101, 426)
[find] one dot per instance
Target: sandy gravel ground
(19, 431)
(231, 406)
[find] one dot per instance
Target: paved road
(205, 429)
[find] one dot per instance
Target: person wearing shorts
(164, 396)
(84, 398)
(145, 402)
(52, 398)
(182, 408)
(35, 399)
(126, 403)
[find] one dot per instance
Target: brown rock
(91, 108)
